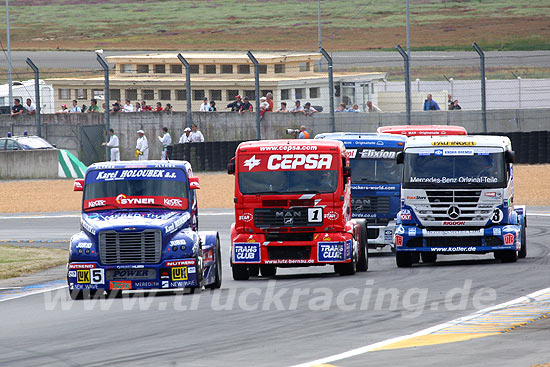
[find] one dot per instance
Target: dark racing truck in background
(293, 208)
(139, 230)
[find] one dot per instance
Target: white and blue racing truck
(457, 196)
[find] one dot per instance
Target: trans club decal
(332, 251)
(248, 252)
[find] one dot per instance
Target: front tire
(363, 263)
(522, 253)
(403, 259)
(509, 256)
(218, 280)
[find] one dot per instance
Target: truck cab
(375, 181)
(457, 197)
(293, 208)
(139, 230)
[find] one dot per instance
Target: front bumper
(180, 273)
(324, 249)
(448, 241)
(380, 236)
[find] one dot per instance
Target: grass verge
(17, 261)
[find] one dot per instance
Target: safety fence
(529, 147)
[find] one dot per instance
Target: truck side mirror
(399, 158)
(231, 167)
(194, 183)
(510, 156)
(78, 184)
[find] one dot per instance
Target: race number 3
(315, 215)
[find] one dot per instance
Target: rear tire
(347, 268)
(428, 257)
(509, 256)
(363, 263)
(240, 271)
(522, 253)
(403, 259)
(268, 270)
(218, 282)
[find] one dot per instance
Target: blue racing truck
(375, 181)
(139, 230)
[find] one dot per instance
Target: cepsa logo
(124, 200)
(246, 217)
(173, 202)
(94, 203)
(295, 161)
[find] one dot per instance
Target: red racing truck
(293, 208)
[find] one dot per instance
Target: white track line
(430, 330)
(32, 293)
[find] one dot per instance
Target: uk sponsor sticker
(248, 252)
(331, 251)
(179, 273)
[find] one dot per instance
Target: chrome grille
(280, 217)
(440, 202)
(130, 248)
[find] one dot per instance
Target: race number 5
(315, 215)
(98, 276)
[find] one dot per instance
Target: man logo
(453, 212)
(251, 163)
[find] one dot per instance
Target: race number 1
(315, 215)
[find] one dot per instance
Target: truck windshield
(288, 182)
(454, 167)
(136, 187)
(379, 171)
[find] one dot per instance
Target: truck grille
(440, 203)
(370, 204)
(289, 252)
(130, 248)
(279, 217)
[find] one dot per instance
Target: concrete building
(220, 76)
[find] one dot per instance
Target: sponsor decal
(94, 203)
(416, 197)
(122, 284)
(172, 227)
(182, 284)
(330, 251)
(90, 276)
(246, 217)
(455, 152)
(179, 263)
(71, 274)
(178, 242)
(332, 215)
(191, 269)
(165, 274)
(251, 162)
(147, 284)
(81, 266)
(457, 143)
(508, 239)
(208, 255)
(73, 286)
(454, 223)
(405, 214)
(452, 180)
(303, 161)
(314, 215)
(498, 215)
(374, 188)
(77, 185)
(123, 274)
(134, 173)
(290, 261)
(452, 233)
(289, 148)
(388, 235)
(84, 245)
(173, 202)
(351, 153)
(398, 240)
(130, 266)
(179, 273)
(87, 227)
(246, 252)
(165, 284)
(378, 154)
(497, 231)
(124, 200)
(412, 231)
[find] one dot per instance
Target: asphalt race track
(302, 316)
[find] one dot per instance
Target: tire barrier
(207, 156)
(530, 147)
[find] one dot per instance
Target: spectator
(142, 146)
(145, 107)
(430, 104)
(283, 107)
(269, 97)
(30, 107)
(63, 109)
(297, 108)
(93, 105)
(165, 140)
(128, 107)
(341, 108)
(246, 106)
(116, 107)
(235, 105)
(371, 107)
(308, 110)
(75, 108)
(455, 105)
(159, 107)
(113, 144)
(186, 137)
(303, 133)
(138, 107)
(168, 108)
(196, 136)
(449, 101)
(263, 106)
(204, 105)
(17, 108)
(212, 106)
